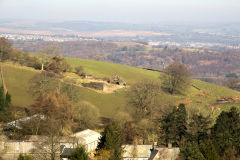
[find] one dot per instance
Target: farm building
(165, 153)
(148, 152)
(137, 152)
(65, 145)
(88, 138)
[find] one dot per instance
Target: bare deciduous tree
(44, 82)
(233, 83)
(142, 96)
(57, 109)
(46, 52)
(58, 121)
(177, 78)
(5, 48)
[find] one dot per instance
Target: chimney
(154, 145)
(169, 145)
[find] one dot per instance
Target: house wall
(87, 138)
(167, 154)
(91, 146)
(13, 149)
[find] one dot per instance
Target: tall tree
(208, 150)
(226, 131)
(173, 127)
(233, 83)
(177, 78)
(5, 100)
(2, 99)
(45, 82)
(46, 52)
(191, 151)
(112, 141)
(5, 49)
(56, 108)
(57, 111)
(199, 128)
(58, 65)
(142, 96)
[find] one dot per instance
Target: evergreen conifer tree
(208, 150)
(199, 128)
(174, 126)
(2, 99)
(112, 140)
(226, 131)
(191, 151)
(79, 154)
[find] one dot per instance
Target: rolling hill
(204, 97)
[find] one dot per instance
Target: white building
(87, 138)
(147, 152)
(137, 152)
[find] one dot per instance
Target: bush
(79, 154)
(87, 115)
(25, 157)
(80, 71)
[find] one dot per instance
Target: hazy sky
(136, 11)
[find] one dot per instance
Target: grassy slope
(17, 79)
(17, 82)
(106, 69)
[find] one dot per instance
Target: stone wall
(94, 85)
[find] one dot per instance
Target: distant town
(65, 38)
(39, 37)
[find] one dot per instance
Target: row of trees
(196, 136)
(49, 57)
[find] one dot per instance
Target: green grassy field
(17, 81)
(106, 69)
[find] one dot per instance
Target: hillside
(210, 98)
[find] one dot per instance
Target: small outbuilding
(88, 138)
(136, 152)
